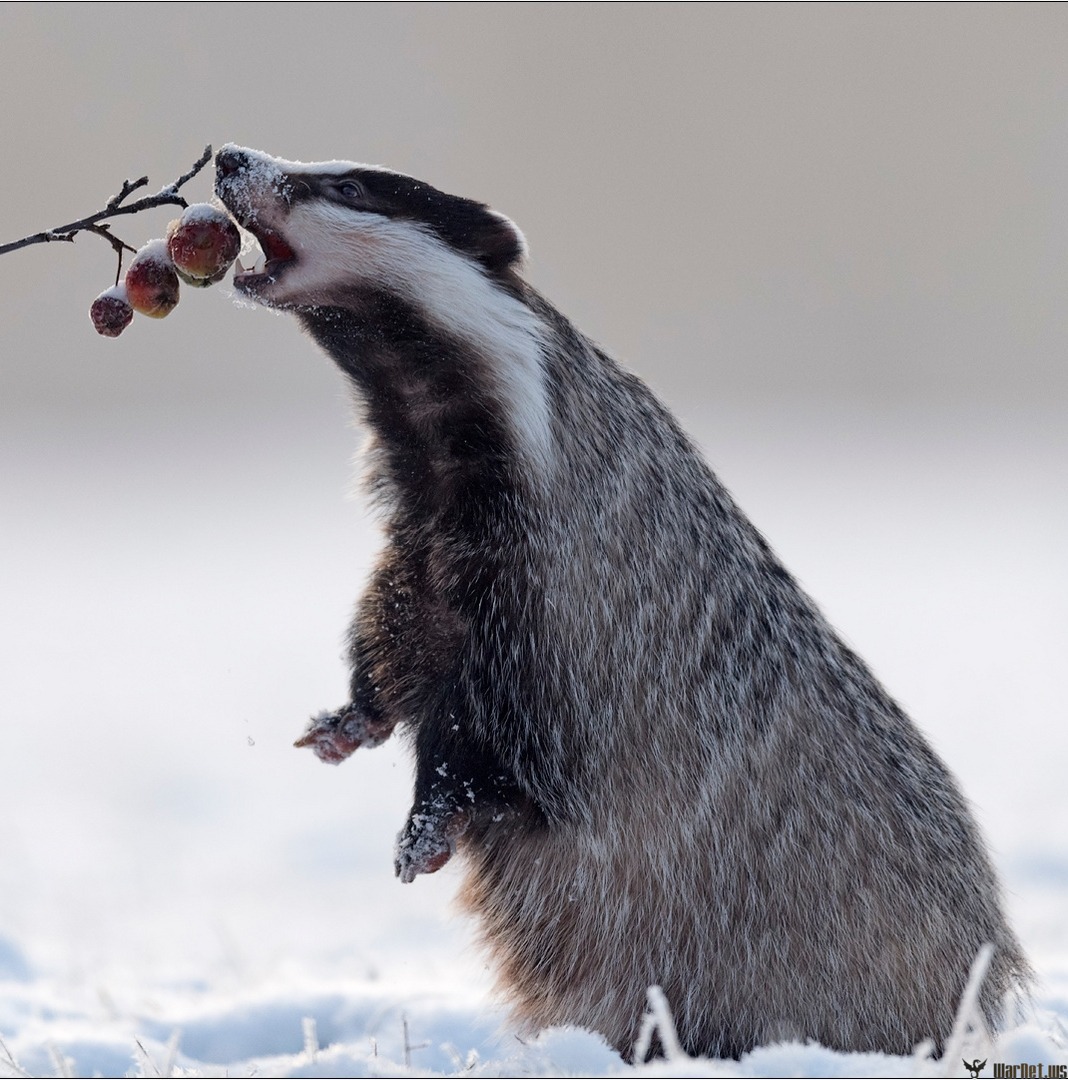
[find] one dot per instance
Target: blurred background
(832, 237)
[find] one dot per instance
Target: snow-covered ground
(180, 890)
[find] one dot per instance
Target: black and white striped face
(337, 236)
(328, 228)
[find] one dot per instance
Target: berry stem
(116, 243)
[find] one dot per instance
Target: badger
(655, 761)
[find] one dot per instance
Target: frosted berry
(151, 282)
(111, 312)
(203, 244)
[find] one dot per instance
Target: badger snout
(229, 160)
(248, 182)
(255, 189)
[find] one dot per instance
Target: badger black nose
(229, 160)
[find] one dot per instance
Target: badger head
(332, 229)
(337, 236)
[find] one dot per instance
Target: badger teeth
(258, 264)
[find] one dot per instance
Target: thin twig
(63, 1065)
(127, 187)
(116, 243)
(657, 1021)
(969, 1019)
(9, 1062)
(116, 206)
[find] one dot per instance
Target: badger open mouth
(275, 257)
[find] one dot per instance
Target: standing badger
(658, 762)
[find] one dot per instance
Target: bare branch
(166, 196)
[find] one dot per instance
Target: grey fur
(659, 763)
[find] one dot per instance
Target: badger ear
(497, 242)
(471, 227)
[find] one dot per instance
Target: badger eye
(349, 189)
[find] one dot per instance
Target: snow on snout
(247, 187)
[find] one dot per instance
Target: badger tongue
(276, 248)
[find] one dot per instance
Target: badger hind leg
(335, 735)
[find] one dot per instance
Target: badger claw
(427, 842)
(333, 736)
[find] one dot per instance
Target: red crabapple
(111, 312)
(203, 244)
(151, 283)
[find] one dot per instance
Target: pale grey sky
(864, 202)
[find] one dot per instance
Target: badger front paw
(333, 736)
(427, 841)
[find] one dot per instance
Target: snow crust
(117, 292)
(267, 167)
(154, 251)
(205, 211)
(310, 1028)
